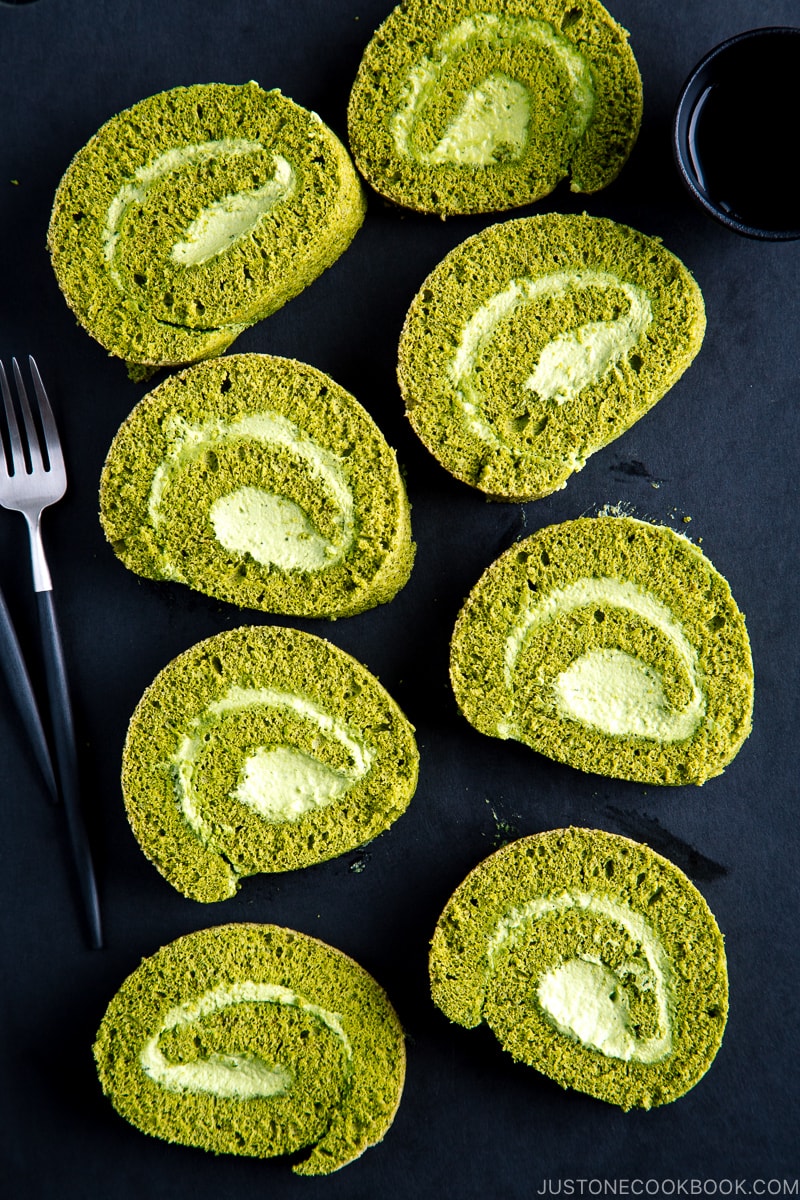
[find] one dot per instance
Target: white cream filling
(497, 112)
(279, 783)
(214, 225)
(223, 223)
(282, 784)
(566, 365)
(618, 694)
(239, 1075)
(585, 999)
(272, 529)
(609, 689)
(493, 116)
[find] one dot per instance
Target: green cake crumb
(460, 106)
(254, 1040)
(195, 213)
(592, 959)
(609, 644)
(262, 749)
(538, 341)
(258, 480)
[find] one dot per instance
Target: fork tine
(51, 439)
(34, 449)
(14, 439)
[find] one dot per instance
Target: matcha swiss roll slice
(195, 213)
(537, 342)
(609, 644)
(254, 1040)
(592, 959)
(262, 749)
(468, 106)
(259, 481)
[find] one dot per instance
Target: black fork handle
(19, 684)
(67, 760)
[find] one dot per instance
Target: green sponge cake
(609, 644)
(252, 1039)
(537, 341)
(592, 959)
(260, 481)
(195, 213)
(466, 106)
(262, 749)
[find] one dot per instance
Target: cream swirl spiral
(592, 959)
(262, 749)
(254, 1040)
(609, 644)
(195, 213)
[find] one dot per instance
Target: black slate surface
(721, 448)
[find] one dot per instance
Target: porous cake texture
(592, 959)
(258, 480)
(537, 342)
(468, 106)
(254, 1040)
(195, 213)
(262, 749)
(610, 644)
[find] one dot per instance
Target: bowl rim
(682, 120)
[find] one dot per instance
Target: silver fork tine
(15, 441)
(51, 438)
(31, 433)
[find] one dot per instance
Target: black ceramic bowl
(734, 133)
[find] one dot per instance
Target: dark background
(720, 449)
